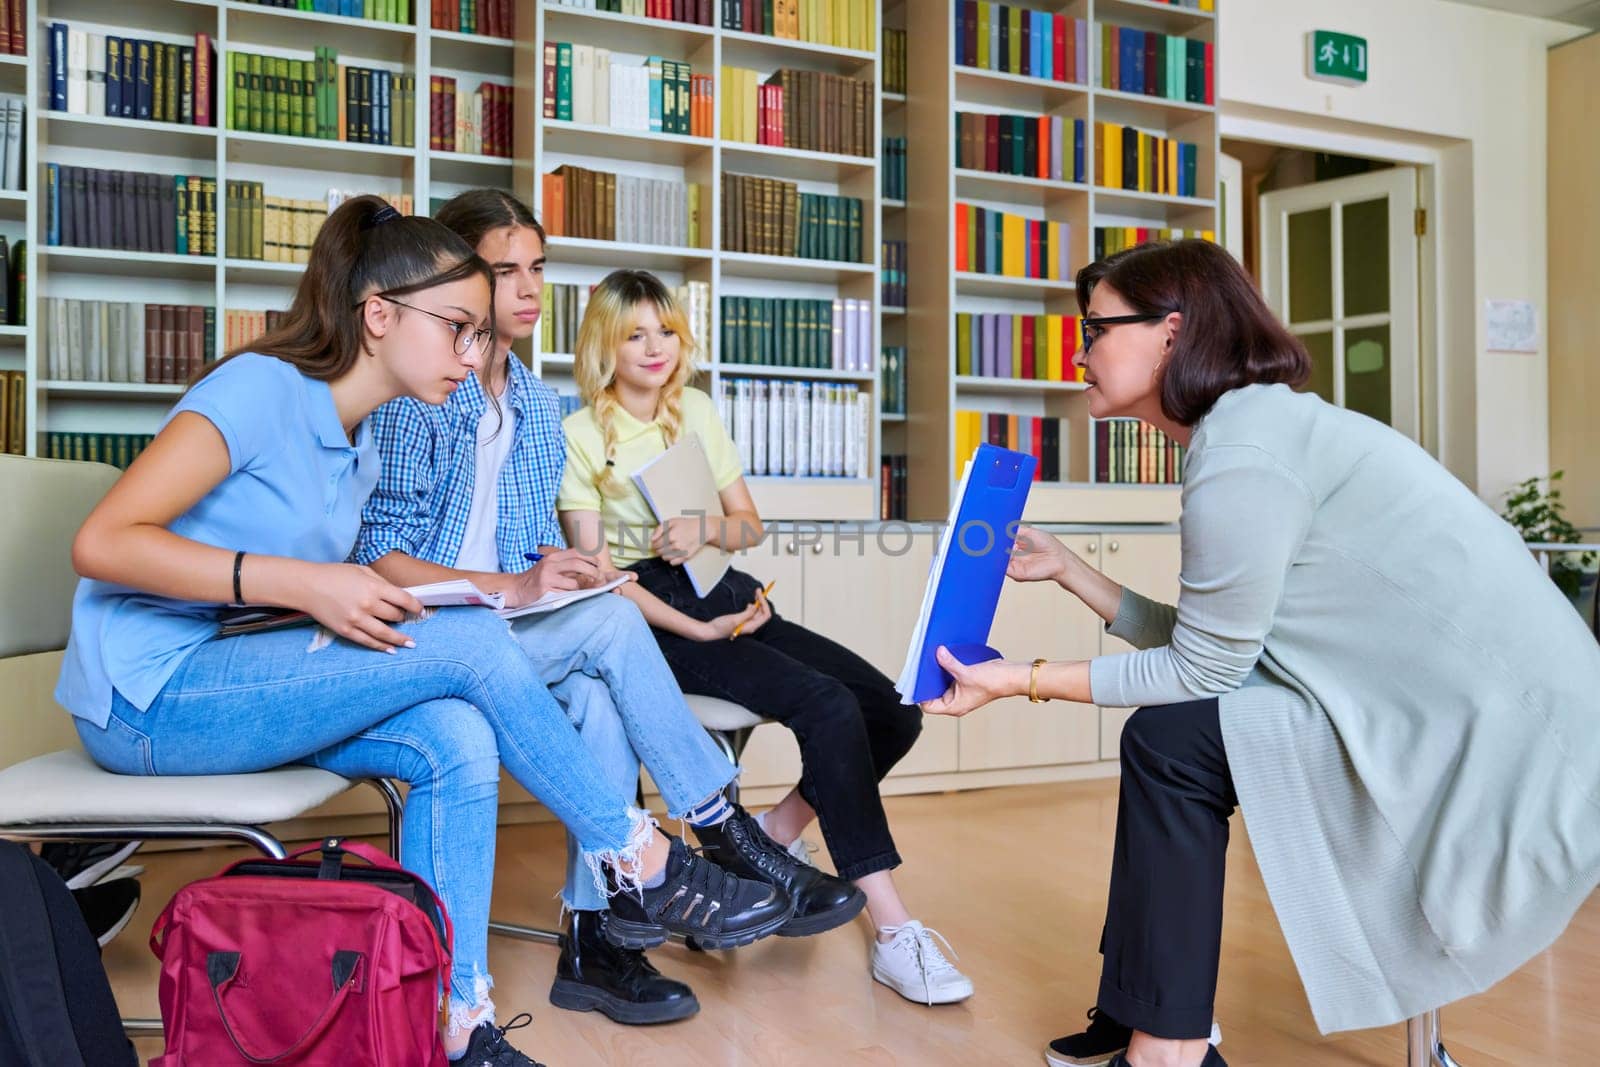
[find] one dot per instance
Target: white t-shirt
(497, 429)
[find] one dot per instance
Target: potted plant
(1534, 507)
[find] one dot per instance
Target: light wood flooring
(1016, 879)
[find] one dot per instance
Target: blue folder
(971, 568)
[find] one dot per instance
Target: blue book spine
(1038, 42)
(1047, 51)
(113, 76)
(957, 11)
(58, 66)
(655, 94)
(1077, 150)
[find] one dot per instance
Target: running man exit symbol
(1336, 57)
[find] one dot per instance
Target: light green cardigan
(1410, 708)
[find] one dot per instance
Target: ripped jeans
(442, 717)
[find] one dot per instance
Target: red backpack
(304, 962)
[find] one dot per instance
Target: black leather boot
(701, 900)
(821, 901)
(595, 975)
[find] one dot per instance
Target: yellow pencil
(761, 594)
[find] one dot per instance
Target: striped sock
(713, 811)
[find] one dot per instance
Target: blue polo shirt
(295, 487)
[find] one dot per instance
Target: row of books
(772, 217)
(894, 60)
(802, 109)
(790, 332)
(117, 449)
(130, 210)
(1030, 347)
(892, 480)
(487, 18)
(584, 84)
(892, 164)
(563, 306)
(1155, 64)
(478, 123)
(13, 412)
(128, 77)
(1019, 40)
(372, 10)
(1044, 437)
(13, 28)
(240, 328)
(14, 284)
(798, 429)
(108, 341)
(321, 98)
(277, 229)
(893, 274)
(999, 242)
(1109, 240)
(601, 206)
(692, 11)
(1129, 158)
(892, 380)
(1030, 146)
(1127, 451)
(13, 110)
(839, 23)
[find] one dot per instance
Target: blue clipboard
(970, 570)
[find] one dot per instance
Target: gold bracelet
(1033, 684)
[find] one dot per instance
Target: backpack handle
(223, 967)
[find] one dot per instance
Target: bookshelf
(938, 88)
(288, 166)
(680, 157)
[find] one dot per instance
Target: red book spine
(1062, 66)
(1042, 170)
(1211, 76)
(436, 113)
(202, 79)
(961, 236)
(1027, 347)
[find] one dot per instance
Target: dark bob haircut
(1229, 338)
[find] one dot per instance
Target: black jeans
(846, 715)
(1163, 933)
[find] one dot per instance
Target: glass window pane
(1311, 265)
(1320, 347)
(1366, 258)
(1367, 371)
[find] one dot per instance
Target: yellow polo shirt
(628, 519)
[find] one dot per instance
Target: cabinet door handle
(793, 548)
(1113, 546)
(1092, 547)
(816, 549)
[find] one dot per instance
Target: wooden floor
(1016, 879)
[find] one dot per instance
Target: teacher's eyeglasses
(1092, 327)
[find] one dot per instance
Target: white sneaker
(801, 850)
(911, 964)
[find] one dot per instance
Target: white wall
(1468, 85)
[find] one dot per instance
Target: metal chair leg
(725, 744)
(1425, 1043)
(396, 810)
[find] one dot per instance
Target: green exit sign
(1336, 57)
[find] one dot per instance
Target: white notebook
(679, 482)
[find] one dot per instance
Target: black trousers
(1163, 932)
(845, 714)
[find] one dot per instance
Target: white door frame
(1398, 187)
(1426, 153)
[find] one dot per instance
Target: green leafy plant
(1534, 507)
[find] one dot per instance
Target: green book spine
(963, 342)
(239, 104)
(209, 353)
(853, 252)
(253, 93)
(180, 184)
(280, 96)
(308, 97)
(564, 82)
(296, 117)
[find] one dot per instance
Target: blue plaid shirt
(430, 453)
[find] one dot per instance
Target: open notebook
(679, 482)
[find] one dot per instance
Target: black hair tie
(386, 213)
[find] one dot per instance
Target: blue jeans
(602, 663)
(442, 717)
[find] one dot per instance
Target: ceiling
(1578, 12)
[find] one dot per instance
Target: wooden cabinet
(1147, 563)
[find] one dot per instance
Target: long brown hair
(365, 248)
(1229, 337)
(476, 212)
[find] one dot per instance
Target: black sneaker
(697, 899)
(488, 1046)
(1094, 1047)
(107, 907)
(821, 901)
(595, 975)
(83, 863)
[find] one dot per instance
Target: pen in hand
(761, 594)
